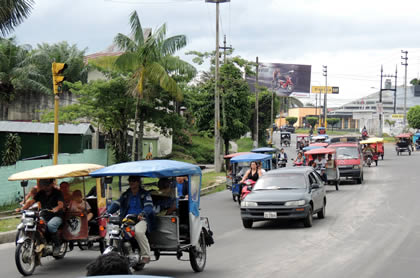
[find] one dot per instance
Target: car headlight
(249, 204)
(295, 203)
(356, 167)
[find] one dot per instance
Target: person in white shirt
(320, 161)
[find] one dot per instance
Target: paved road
(371, 230)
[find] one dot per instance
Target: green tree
(45, 54)
(106, 104)
(332, 122)
(150, 60)
(415, 81)
(291, 120)
(413, 117)
(17, 74)
(312, 120)
(12, 149)
(12, 13)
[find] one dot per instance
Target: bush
(182, 137)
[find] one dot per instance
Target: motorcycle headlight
(249, 204)
(113, 229)
(28, 221)
(295, 203)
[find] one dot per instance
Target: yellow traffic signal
(58, 78)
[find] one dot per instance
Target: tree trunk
(226, 146)
(136, 118)
(140, 140)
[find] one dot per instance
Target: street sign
(397, 116)
(379, 107)
(321, 90)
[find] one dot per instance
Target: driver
(253, 173)
(51, 199)
(137, 201)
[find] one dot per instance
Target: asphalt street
(370, 230)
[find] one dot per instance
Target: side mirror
(108, 180)
(315, 186)
(249, 187)
(24, 183)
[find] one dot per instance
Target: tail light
(42, 222)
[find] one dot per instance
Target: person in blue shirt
(182, 187)
(137, 201)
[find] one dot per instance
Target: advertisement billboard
(284, 79)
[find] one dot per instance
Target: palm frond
(176, 65)
(124, 42)
(127, 61)
(158, 75)
(12, 13)
(173, 44)
(136, 29)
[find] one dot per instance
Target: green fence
(9, 190)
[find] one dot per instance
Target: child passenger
(78, 205)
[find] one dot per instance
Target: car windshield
(280, 182)
(347, 152)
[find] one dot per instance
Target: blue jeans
(54, 223)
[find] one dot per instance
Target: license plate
(270, 214)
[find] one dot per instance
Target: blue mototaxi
(416, 137)
(183, 232)
(321, 130)
(240, 164)
(271, 151)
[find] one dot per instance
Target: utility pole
(405, 63)
(256, 106)
(325, 73)
(217, 141)
(224, 47)
(222, 92)
(380, 104)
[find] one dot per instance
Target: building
(364, 111)
(300, 113)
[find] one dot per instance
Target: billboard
(283, 79)
(321, 89)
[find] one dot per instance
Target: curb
(7, 236)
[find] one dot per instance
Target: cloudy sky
(353, 38)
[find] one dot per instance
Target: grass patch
(389, 139)
(201, 151)
(8, 207)
(210, 178)
(9, 224)
(214, 190)
(244, 144)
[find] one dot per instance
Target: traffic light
(58, 78)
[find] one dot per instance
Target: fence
(10, 190)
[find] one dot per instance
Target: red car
(349, 160)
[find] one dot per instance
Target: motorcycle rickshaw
(183, 231)
(302, 140)
(285, 138)
(331, 170)
(240, 164)
(319, 138)
(227, 158)
(377, 144)
(416, 140)
(321, 130)
(370, 151)
(32, 233)
(403, 143)
(271, 151)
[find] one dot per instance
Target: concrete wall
(164, 146)
(9, 189)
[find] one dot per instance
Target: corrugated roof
(30, 127)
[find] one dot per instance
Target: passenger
(253, 173)
(77, 204)
(137, 201)
(109, 264)
(320, 161)
(182, 187)
(64, 188)
(330, 162)
(300, 159)
(260, 167)
(31, 194)
(165, 202)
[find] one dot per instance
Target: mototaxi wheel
(25, 261)
(198, 255)
(63, 251)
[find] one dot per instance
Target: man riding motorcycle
(51, 199)
(364, 133)
(137, 201)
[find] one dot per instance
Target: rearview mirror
(315, 186)
(108, 180)
(24, 183)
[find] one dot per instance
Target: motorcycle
(122, 239)
(246, 189)
(368, 157)
(34, 242)
(282, 163)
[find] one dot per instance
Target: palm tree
(17, 73)
(150, 60)
(12, 13)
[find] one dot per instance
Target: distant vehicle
(288, 128)
(403, 144)
(349, 160)
(286, 193)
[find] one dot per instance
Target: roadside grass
(244, 144)
(9, 224)
(200, 151)
(210, 178)
(8, 207)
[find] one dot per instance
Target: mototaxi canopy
(56, 172)
(321, 151)
(404, 135)
(229, 156)
(372, 140)
(264, 150)
(250, 157)
(308, 148)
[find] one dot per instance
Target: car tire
(322, 212)
(247, 223)
(308, 221)
(337, 183)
